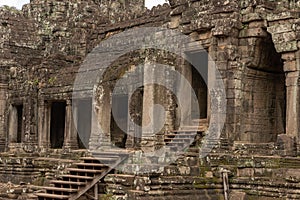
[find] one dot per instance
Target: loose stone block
(281, 28)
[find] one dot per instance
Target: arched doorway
(264, 95)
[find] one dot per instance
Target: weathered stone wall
(19, 52)
(253, 43)
(260, 20)
(36, 169)
(54, 44)
(254, 76)
(255, 176)
(58, 37)
(263, 106)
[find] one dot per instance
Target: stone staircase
(186, 135)
(82, 177)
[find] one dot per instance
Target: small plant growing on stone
(108, 197)
(52, 80)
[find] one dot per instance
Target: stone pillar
(101, 119)
(184, 92)
(135, 109)
(292, 112)
(44, 115)
(292, 69)
(130, 142)
(148, 137)
(70, 130)
(3, 130)
(12, 125)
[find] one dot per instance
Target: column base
(148, 144)
(71, 145)
(99, 141)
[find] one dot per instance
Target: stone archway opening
(199, 74)
(16, 125)
(264, 94)
(119, 81)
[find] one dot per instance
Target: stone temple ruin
(51, 145)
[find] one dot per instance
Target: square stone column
(148, 137)
(3, 130)
(44, 114)
(101, 119)
(12, 125)
(293, 99)
(135, 115)
(293, 107)
(71, 141)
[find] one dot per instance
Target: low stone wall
(249, 177)
(35, 169)
(22, 173)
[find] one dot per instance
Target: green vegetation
(107, 197)
(10, 8)
(52, 80)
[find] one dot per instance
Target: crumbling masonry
(254, 44)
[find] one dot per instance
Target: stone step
(183, 140)
(51, 196)
(58, 182)
(76, 177)
(253, 146)
(111, 153)
(204, 121)
(100, 159)
(94, 165)
(89, 159)
(57, 189)
(105, 155)
(108, 160)
(81, 176)
(178, 144)
(181, 135)
(84, 170)
(53, 159)
(191, 129)
(164, 193)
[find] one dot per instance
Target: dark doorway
(199, 72)
(84, 123)
(120, 111)
(57, 129)
(20, 123)
(263, 115)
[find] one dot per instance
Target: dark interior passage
(200, 90)
(57, 129)
(20, 123)
(199, 61)
(84, 123)
(120, 115)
